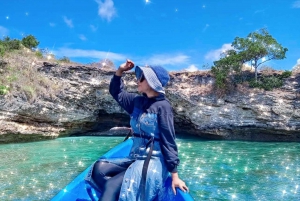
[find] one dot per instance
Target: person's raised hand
(128, 65)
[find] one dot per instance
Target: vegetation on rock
(18, 72)
(30, 42)
(8, 45)
(18, 60)
(257, 48)
(64, 59)
(18, 68)
(269, 82)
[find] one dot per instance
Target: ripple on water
(213, 170)
(240, 170)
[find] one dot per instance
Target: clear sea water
(213, 170)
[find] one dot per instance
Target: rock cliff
(83, 106)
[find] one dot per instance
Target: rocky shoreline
(83, 106)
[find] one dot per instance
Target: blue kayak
(80, 190)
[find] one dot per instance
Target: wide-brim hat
(156, 76)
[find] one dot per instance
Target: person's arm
(167, 140)
(116, 88)
(169, 147)
(119, 72)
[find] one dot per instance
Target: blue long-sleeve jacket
(158, 105)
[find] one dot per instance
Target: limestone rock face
(83, 106)
(246, 114)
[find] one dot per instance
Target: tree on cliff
(259, 47)
(231, 62)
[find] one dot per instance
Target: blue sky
(177, 34)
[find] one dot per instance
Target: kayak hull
(80, 190)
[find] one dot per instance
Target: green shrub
(18, 71)
(3, 89)
(270, 82)
(2, 49)
(12, 78)
(30, 42)
(64, 59)
(30, 92)
(39, 54)
(220, 76)
(8, 45)
(285, 74)
(14, 45)
(267, 83)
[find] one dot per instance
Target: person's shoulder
(164, 106)
(165, 103)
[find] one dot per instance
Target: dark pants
(109, 176)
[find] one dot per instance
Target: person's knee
(100, 169)
(101, 165)
(98, 175)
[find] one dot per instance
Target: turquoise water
(213, 170)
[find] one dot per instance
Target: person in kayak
(154, 153)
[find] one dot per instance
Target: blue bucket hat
(156, 76)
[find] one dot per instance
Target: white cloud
(297, 65)
(3, 31)
(79, 53)
(52, 24)
(214, 55)
(106, 9)
(93, 28)
(166, 59)
(296, 4)
(259, 11)
(206, 26)
(68, 22)
(82, 37)
(192, 68)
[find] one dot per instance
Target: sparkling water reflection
(218, 170)
(213, 170)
